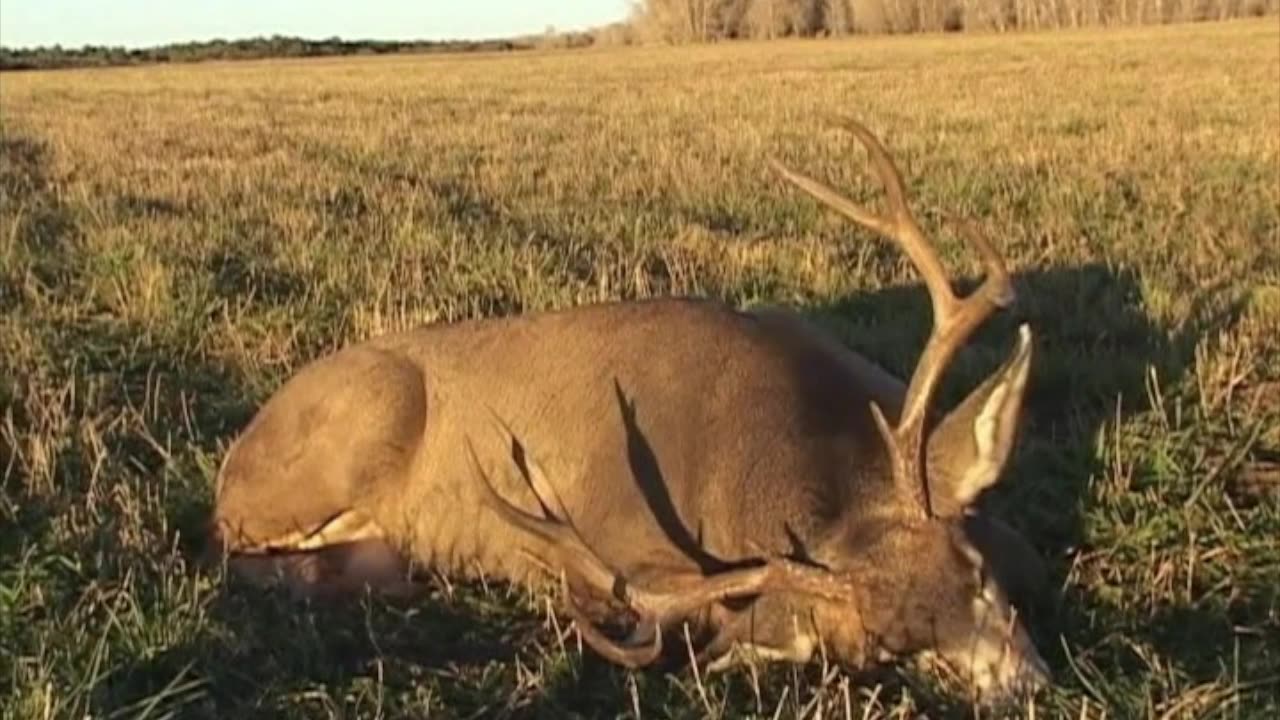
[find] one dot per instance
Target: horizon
(135, 24)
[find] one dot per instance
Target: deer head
(926, 583)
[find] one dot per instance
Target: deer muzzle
(1002, 667)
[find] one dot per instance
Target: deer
(671, 465)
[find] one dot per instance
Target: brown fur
(723, 444)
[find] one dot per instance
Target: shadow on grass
(1095, 349)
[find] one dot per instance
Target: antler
(560, 545)
(954, 318)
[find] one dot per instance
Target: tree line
(678, 21)
(687, 21)
(276, 46)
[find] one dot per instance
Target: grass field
(175, 241)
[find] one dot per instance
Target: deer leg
(340, 559)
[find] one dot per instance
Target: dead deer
(677, 463)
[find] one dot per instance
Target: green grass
(174, 241)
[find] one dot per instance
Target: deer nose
(1018, 673)
(1012, 684)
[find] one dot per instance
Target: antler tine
(627, 653)
(953, 324)
(834, 200)
(681, 594)
(954, 321)
(562, 540)
(556, 534)
(900, 225)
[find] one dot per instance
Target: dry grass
(175, 240)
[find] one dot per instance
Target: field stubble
(174, 241)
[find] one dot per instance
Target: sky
(141, 23)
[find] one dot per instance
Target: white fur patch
(987, 464)
(999, 657)
(984, 467)
(800, 650)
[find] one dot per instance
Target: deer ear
(970, 446)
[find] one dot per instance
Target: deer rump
(672, 461)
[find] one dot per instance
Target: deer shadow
(1096, 349)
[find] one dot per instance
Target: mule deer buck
(678, 464)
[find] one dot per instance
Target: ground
(175, 241)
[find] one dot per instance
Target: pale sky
(141, 23)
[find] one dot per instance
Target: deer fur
(676, 460)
